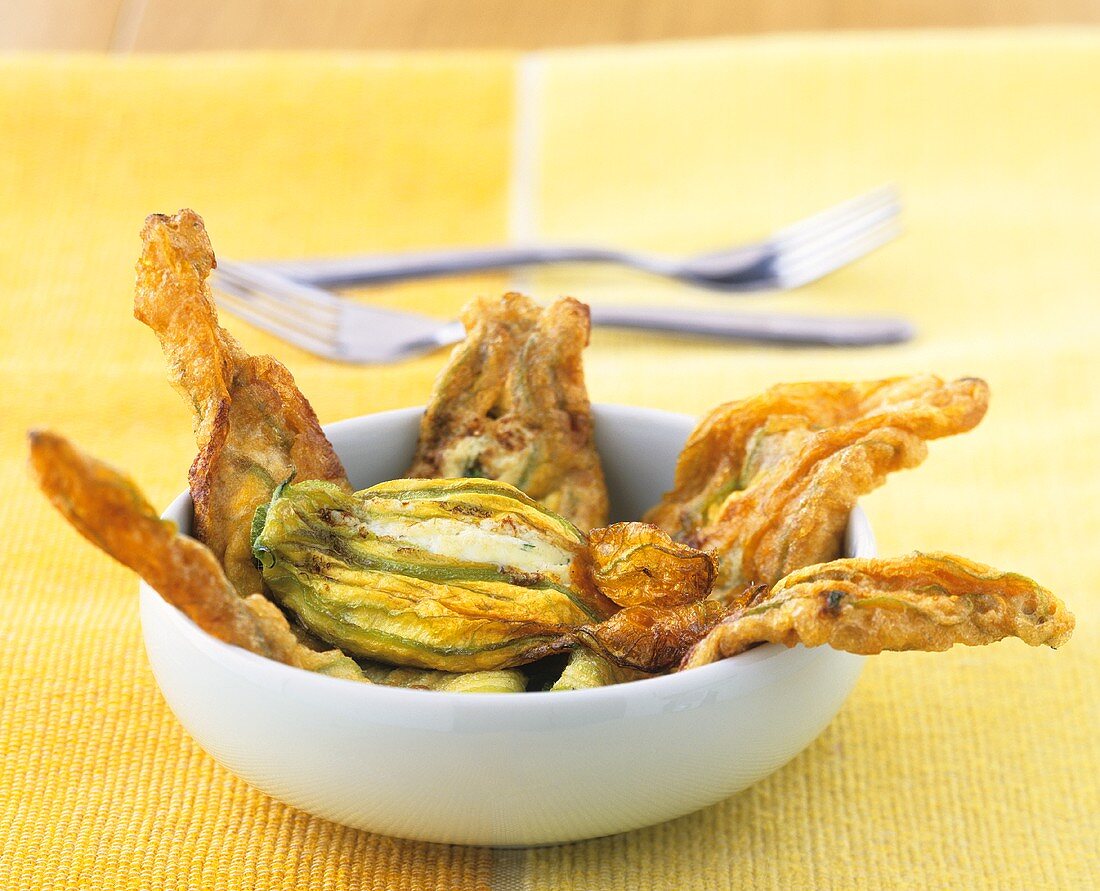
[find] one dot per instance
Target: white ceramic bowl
(492, 768)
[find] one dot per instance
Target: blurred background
(656, 125)
(170, 26)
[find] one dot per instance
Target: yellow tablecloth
(975, 768)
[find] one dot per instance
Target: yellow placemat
(974, 768)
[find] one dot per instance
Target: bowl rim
(662, 685)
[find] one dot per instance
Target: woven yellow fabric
(975, 768)
(100, 788)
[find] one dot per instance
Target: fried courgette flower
(920, 602)
(636, 564)
(470, 574)
(587, 669)
(662, 586)
(767, 483)
(511, 405)
(648, 638)
(110, 511)
(254, 428)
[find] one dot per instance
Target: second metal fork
(342, 329)
(794, 256)
(289, 298)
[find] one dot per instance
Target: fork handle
(344, 272)
(769, 328)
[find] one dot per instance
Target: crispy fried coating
(637, 564)
(471, 574)
(288, 646)
(587, 669)
(498, 681)
(767, 483)
(920, 602)
(110, 511)
(296, 647)
(454, 575)
(651, 638)
(511, 406)
(254, 427)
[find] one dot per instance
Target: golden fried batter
(288, 646)
(920, 602)
(298, 648)
(651, 638)
(254, 428)
(636, 564)
(767, 483)
(586, 669)
(511, 406)
(110, 511)
(663, 587)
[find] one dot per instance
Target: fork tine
(284, 309)
(843, 231)
(797, 270)
(885, 199)
(295, 308)
(338, 329)
(295, 336)
(827, 241)
(256, 309)
(257, 278)
(297, 304)
(312, 322)
(865, 226)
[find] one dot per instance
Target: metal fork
(337, 328)
(794, 256)
(288, 298)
